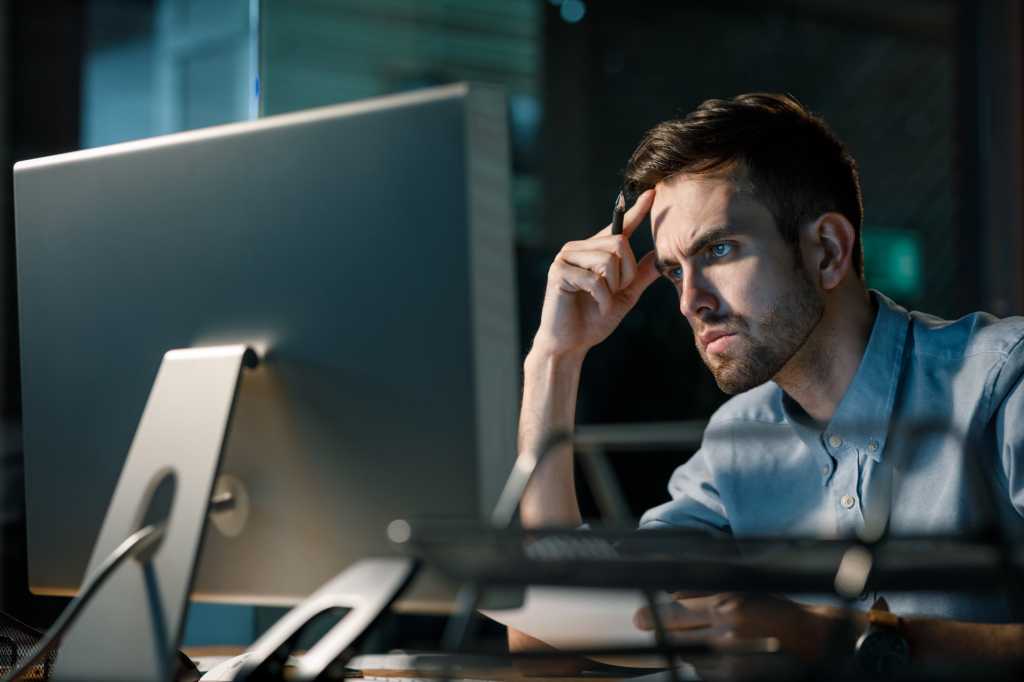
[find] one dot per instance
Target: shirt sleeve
(695, 502)
(1010, 440)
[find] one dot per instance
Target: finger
(673, 617)
(611, 243)
(707, 604)
(729, 610)
(600, 263)
(617, 244)
(686, 594)
(627, 262)
(646, 274)
(634, 216)
(637, 212)
(573, 279)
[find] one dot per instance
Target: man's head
(757, 216)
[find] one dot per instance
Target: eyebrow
(706, 239)
(711, 236)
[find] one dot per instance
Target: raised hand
(592, 284)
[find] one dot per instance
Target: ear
(832, 239)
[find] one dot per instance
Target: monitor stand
(131, 628)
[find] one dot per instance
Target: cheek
(737, 286)
(748, 288)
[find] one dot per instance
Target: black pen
(618, 214)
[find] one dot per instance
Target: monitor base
(132, 627)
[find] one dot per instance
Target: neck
(817, 376)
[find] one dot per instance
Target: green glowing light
(892, 261)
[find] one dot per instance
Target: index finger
(634, 216)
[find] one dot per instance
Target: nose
(696, 296)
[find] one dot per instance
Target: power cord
(138, 545)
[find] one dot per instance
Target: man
(756, 212)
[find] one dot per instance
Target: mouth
(716, 342)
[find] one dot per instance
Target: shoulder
(978, 333)
(976, 345)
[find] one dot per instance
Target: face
(747, 296)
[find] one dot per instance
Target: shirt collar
(862, 418)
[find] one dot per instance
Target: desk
(207, 656)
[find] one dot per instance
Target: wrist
(554, 363)
(839, 628)
(883, 649)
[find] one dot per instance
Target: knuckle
(610, 263)
(731, 602)
(568, 247)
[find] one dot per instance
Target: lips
(716, 341)
(710, 337)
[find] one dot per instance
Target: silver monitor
(365, 248)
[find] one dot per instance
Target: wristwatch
(883, 648)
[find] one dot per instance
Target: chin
(730, 387)
(732, 380)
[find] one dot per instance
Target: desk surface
(207, 656)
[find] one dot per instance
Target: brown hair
(798, 167)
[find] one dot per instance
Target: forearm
(935, 639)
(938, 639)
(550, 389)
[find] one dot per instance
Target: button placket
(830, 448)
(844, 487)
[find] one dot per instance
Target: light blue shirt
(764, 467)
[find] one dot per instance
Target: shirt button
(847, 501)
(835, 441)
(825, 470)
(872, 446)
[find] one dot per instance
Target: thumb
(674, 616)
(646, 274)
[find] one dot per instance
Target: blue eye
(721, 250)
(676, 274)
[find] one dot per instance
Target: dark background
(927, 95)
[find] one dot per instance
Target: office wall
(159, 66)
(315, 53)
(991, 95)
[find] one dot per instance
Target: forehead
(685, 206)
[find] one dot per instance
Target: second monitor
(365, 248)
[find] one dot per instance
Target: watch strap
(881, 617)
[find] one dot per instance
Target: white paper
(577, 618)
(573, 618)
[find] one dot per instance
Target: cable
(136, 544)
(521, 475)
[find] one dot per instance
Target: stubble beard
(781, 332)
